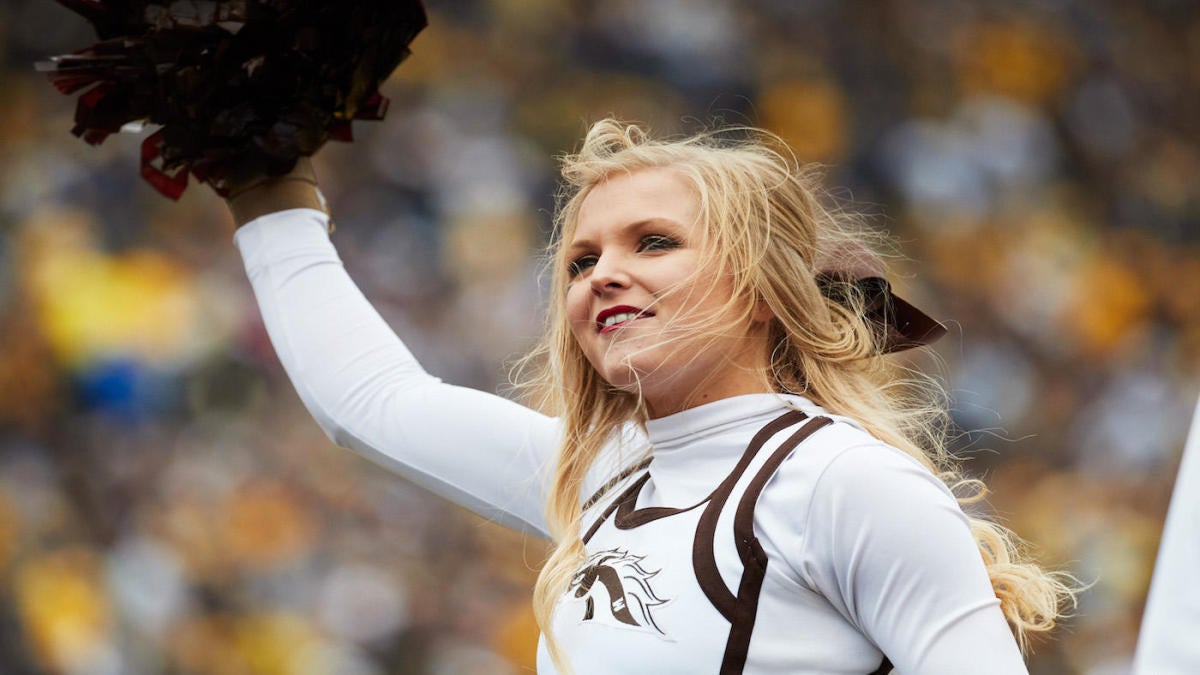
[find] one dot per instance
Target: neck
(661, 406)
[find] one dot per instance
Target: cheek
(577, 307)
(705, 301)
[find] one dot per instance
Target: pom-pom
(240, 88)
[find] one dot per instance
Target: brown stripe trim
(613, 482)
(633, 490)
(704, 558)
(743, 520)
(754, 559)
(629, 517)
(737, 647)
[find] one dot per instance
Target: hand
(259, 196)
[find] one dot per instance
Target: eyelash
(662, 242)
(650, 242)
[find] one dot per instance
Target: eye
(578, 265)
(657, 242)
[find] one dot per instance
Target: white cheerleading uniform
(682, 587)
(754, 534)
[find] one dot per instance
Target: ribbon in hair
(899, 324)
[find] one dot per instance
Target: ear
(762, 311)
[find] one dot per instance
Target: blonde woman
(733, 475)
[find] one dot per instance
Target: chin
(622, 379)
(647, 384)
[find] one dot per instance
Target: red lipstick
(619, 309)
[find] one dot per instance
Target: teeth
(618, 318)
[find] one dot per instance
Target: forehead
(627, 198)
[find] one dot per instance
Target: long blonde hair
(767, 231)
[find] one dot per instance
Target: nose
(608, 274)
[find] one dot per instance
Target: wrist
(295, 190)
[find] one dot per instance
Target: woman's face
(640, 307)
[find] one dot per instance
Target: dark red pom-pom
(239, 87)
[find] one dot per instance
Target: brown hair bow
(899, 324)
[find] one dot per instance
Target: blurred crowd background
(167, 506)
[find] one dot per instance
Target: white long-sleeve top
(868, 554)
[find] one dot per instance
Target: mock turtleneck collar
(689, 425)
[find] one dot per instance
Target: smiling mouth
(618, 317)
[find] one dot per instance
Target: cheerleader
(734, 475)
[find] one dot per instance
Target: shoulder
(855, 464)
(844, 450)
(843, 458)
(844, 482)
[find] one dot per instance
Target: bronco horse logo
(622, 578)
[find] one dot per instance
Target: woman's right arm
(363, 385)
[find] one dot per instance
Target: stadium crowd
(167, 505)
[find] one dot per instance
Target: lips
(634, 312)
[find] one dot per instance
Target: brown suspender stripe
(754, 559)
(737, 646)
(743, 520)
(704, 558)
(628, 516)
(635, 488)
(633, 518)
(613, 482)
(741, 610)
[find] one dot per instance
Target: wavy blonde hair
(767, 231)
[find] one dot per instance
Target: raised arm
(363, 385)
